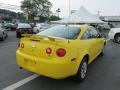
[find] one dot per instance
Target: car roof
(23, 23)
(115, 28)
(73, 25)
(82, 27)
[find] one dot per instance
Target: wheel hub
(118, 39)
(83, 70)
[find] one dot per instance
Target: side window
(86, 35)
(93, 32)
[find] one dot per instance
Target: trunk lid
(36, 45)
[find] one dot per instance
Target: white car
(37, 28)
(40, 27)
(105, 26)
(114, 34)
(3, 33)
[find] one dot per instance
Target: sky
(106, 7)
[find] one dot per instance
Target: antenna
(68, 21)
(69, 8)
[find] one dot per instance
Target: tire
(2, 38)
(103, 51)
(6, 36)
(18, 35)
(82, 71)
(117, 38)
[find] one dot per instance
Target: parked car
(45, 25)
(3, 33)
(23, 28)
(37, 28)
(61, 51)
(10, 26)
(41, 27)
(114, 34)
(104, 26)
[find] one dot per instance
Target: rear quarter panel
(77, 49)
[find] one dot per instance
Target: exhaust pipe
(20, 68)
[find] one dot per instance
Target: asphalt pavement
(103, 73)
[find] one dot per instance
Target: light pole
(58, 11)
(69, 12)
(69, 8)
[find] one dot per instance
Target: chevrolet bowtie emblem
(33, 46)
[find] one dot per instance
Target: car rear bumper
(49, 68)
(25, 32)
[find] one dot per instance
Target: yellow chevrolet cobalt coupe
(61, 51)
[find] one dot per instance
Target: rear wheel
(82, 71)
(6, 36)
(18, 35)
(117, 38)
(3, 37)
(103, 51)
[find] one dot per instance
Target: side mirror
(101, 36)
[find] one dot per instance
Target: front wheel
(103, 51)
(18, 35)
(6, 36)
(82, 71)
(117, 38)
(2, 38)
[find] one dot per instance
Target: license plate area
(29, 62)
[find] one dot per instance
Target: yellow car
(61, 51)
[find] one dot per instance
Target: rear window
(24, 26)
(68, 32)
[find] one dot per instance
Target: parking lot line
(8, 46)
(21, 82)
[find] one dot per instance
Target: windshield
(22, 25)
(62, 31)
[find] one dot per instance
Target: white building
(112, 20)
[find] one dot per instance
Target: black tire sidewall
(18, 35)
(78, 75)
(6, 36)
(116, 36)
(103, 51)
(3, 38)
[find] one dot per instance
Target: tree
(20, 16)
(54, 18)
(37, 7)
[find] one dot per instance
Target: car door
(98, 42)
(88, 43)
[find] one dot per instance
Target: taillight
(30, 30)
(17, 30)
(48, 50)
(21, 45)
(61, 52)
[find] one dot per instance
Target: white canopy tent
(81, 16)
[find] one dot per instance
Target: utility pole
(58, 11)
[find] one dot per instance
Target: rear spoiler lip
(27, 35)
(35, 36)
